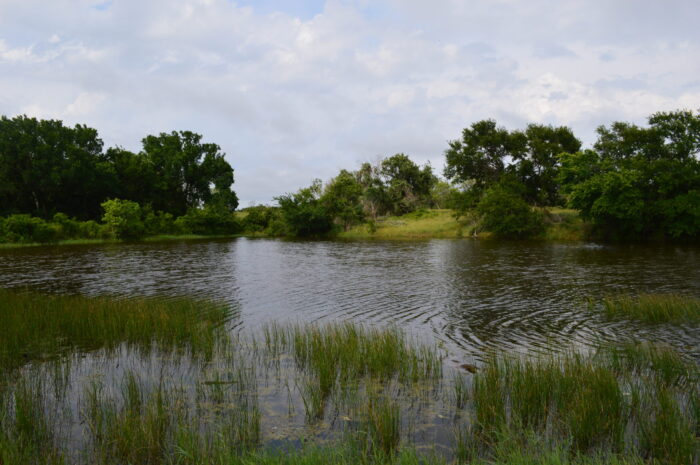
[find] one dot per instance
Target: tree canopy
(47, 167)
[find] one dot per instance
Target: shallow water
(468, 295)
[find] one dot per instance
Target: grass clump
(39, 326)
(654, 308)
(625, 402)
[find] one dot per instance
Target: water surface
(469, 295)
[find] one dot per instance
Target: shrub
(25, 228)
(209, 220)
(505, 213)
(123, 219)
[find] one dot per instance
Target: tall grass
(654, 308)
(626, 401)
(361, 387)
(38, 326)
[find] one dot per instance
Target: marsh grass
(625, 401)
(37, 327)
(360, 388)
(654, 308)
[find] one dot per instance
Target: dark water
(470, 295)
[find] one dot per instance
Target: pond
(469, 295)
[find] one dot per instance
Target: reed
(37, 327)
(654, 308)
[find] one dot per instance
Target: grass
(421, 224)
(654, 308)
(565, 225)
(632, 403)
(624, 405)
(156, 238)
(38, 326)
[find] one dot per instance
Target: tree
(538, 166)
(506, 214)
(303, 212)
(407, 185)
(46, 167)
(486, 153)
(639, 182)
(185, 171)
(342, 199)
(481, 156)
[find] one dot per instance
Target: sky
(293, 91)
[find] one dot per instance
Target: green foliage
(185, 169)
(47, 168)
(486, 153)
(123, 219)
(505, 213)
(209, 220)
(304, 214)
(639, 182)
(27, 229)
(406, 185)
(341, 198)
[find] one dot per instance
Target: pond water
(468, 295)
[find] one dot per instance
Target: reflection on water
(468, 295)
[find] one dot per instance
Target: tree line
(634, 183)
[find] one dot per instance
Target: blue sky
(294, 91)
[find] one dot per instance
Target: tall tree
(639, 182)
(408, 186)
(46, 167)
(188, 173)
(342, 199)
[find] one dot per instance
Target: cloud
(297, 90)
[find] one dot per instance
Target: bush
(25, 228)
(209, 220)
(158, 222)
(258, 218)
(505, 213)
(123, 219)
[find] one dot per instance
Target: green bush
(505, 213)
(123, 219)
(258, 218)
(158, 222)
(209, 220)
(25, 228)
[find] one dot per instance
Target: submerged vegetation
(654, 308)
(119, 388)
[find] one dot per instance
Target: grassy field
(561, 225)
(423, 224)
(357, 394)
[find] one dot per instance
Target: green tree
(46, 168)
(482, 154)
(342, 199)
(506, 214)
(407, 185)
(123, 218)
(187, 173)
(303, 212)
(538, 166)
(640, 182)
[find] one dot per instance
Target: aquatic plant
(37, 326)
(654, 308)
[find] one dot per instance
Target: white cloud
(294, 98)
